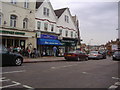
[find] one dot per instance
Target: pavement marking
(115, 78)
(117, 83)
(4, 80)
(13, 72)
(112, 87)
(84, 72)
(14, 84)
(63, 66)
(27, 87)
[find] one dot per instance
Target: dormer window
(66, 19)
(45, 11)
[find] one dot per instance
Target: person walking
(55, 50)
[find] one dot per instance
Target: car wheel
(18, 61)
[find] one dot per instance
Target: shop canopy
(48, 42)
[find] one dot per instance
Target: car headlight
(113, 55)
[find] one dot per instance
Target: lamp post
(89, 45)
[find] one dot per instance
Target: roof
(39, 3)
(59, 12)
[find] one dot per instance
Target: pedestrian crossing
(8, 83)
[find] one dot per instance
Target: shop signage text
(48, 36)
(12, 32)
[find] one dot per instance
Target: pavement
(42, 59)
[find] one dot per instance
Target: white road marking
(27, 87)
(63, 66)
(13, 72)
(115, 78)
(84, 72)
(112, 87)
(15, 84)
(117, 83)
(4, 80)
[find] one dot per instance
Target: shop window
(26, 4)
(3, 41)
(25, 23)
(16, 43)
(13, 20)
(13, 1)
(45, 26)
(38, 25)
(9, 42)
(45, 11)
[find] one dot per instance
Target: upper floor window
(46, 26)
(71, 33)
(0, 19)
(46, 11)
(66, 19)
(13, 20)
(38, 24)
(60, 31)
(66, 33)
(25, 23)
(52, 27)
(26, 4)
(13, 1)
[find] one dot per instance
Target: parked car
(9, 58)
(104, 54)
(116, 55)
(76, 55)
(95, 55)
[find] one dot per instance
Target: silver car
(95, 55)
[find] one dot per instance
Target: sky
(98, 19)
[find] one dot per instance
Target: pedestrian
(55, 50)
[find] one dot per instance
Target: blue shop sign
(48, 36)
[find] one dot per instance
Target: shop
(68, 44)
(46, 43)
(15, 38)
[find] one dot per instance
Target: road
(61, 74)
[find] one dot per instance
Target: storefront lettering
(12, 32)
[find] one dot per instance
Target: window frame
(46, 11)
(25, 23)
(45, 26)
(38, 25)
(26, 4)
(66, 33)
(52, 27)
(0, 19)
(13, 22)
(13, 1)
(71, 34)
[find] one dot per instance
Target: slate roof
(59, 12)
(39, 3)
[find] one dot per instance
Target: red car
(76, 55)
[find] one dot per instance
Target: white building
(67, 29)
(17, 23)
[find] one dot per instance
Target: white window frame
(26, 4)
(13, 22)
(52, 27)
(45, 26)
(66, 33)
(13, 1)
(71, 34)
(46, 11)
(25, 23)
(38, 25)
(60, 31)
(66, 19)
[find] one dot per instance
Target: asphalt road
(62, 74)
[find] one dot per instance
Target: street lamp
(89, 45)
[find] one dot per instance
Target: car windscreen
(117, 53)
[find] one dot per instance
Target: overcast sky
(98, 20)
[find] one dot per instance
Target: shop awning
(48, 42)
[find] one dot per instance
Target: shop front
(15, 38)
(46, 43)
(68, 44)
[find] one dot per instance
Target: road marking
(15, 84)
(27, 87)
(63, 66)
(117, 83)
(112, 87)
(13, 72)
(84, 72)
(4, 80)
(115, 78)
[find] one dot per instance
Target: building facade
(17, 24)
